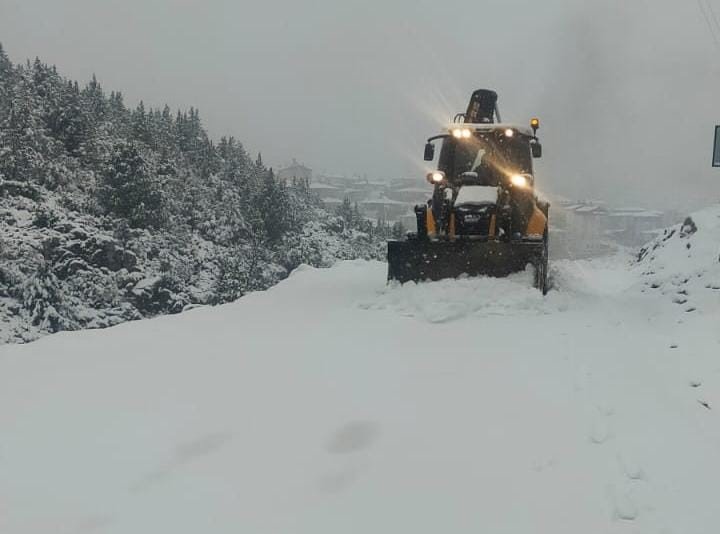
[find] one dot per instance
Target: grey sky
(627, 90)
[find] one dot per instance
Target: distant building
(590, 228)
(327, 191)
(412, 195)
(384, 208)
(635, 226)
(390, 201)
(296, 170)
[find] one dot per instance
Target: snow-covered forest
(109, 214)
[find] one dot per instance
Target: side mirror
(536, 149)
(429, 152)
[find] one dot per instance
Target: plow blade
(416, 260)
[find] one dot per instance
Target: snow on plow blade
(416, 260)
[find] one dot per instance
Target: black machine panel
(482, 107)
(474, 219)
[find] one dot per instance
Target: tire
(541, 268)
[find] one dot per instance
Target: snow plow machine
(484, 217)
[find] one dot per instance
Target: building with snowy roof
(295, 170)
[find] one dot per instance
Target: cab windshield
(492, 155)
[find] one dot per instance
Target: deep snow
(334, 403)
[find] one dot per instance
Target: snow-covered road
(332, 403)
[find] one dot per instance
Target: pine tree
(7, 78)
(346, 213)
(26, 144)
(94, 100)
(6, 67)
(129, 190)
(141, 125)
(116, 110)
(165, 133)
(398, 230)
(70, 122)
(274, 207)
(45, 301)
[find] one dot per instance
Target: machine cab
(489, 154)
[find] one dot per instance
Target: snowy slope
(684, 263)
(332, 403)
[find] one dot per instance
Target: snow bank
(450, 300)
(684, 263)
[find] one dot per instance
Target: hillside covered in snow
(335, 403)
(109, 214)
(684, 263)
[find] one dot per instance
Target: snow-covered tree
(142, 213)
(44, 300)
(129, 190)
(25, 140)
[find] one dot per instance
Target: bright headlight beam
(518, 180)
(509, 132)
(438, 177)
(462, 133)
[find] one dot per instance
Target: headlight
(436, 177)
(518, 180)
(509, 132)
(462, 133)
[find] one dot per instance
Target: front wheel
(541, 267)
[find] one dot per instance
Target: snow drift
(684, 263)
(334, 403)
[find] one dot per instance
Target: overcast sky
(628, 91)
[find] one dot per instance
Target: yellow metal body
(491, 231)
(537, 223)
(430, 222)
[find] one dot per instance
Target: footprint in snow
(632, 469)
(339, 480)
(353, 437)
(625, 507)
(622, 503)
(600, 431)
(345, 444)
(201, 446)
(184, 453)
